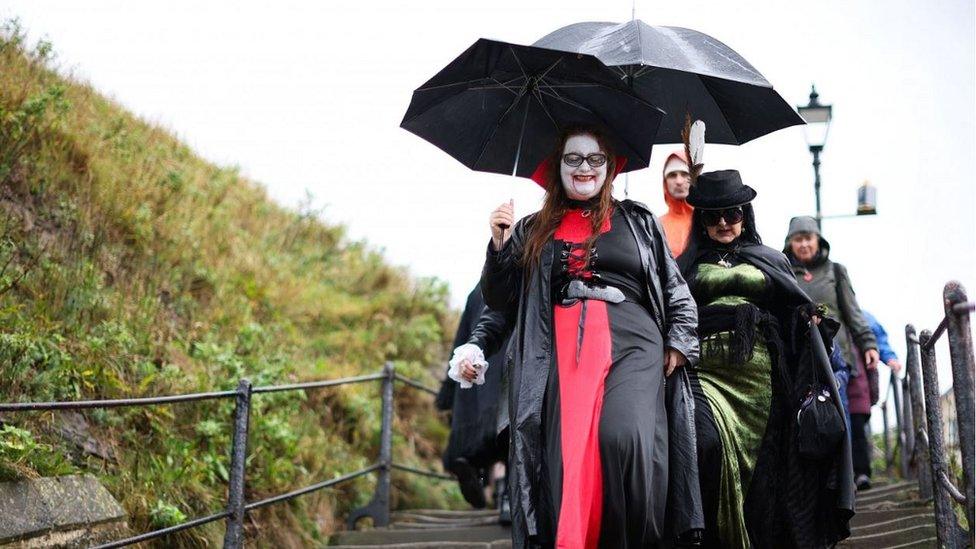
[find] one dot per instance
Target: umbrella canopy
(501, 107)
(682, 70)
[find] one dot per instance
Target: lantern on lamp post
(817, 118)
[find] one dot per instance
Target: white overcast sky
(308, 96)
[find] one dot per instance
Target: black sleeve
(681, 312)
(469, 317)
(491, 331)
(501, 278)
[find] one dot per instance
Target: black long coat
(474, 418)
(525, 301)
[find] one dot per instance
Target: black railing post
(386, 446)
(945, 519)
(896, 396)
(961, 355)
(234, 534)
(884, 435)
(379, 507)
(921, 455)
(907, 429)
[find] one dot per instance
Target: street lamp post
(817, 117)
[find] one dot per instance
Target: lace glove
(473, 353)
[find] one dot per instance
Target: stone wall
(69, 511)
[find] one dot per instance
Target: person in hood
(827, 282)
(474, 445)
(677, 183)
(755, 365)
(600, 454)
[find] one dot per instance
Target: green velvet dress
(739, 394)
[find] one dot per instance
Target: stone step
(893, 537)
(906, 521)
(500, 544)
(892, 487)
(864, 518)
(416, 520)
(895, 493)
(445, 513)
(888, 504)
(386, 537)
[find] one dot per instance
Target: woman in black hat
(753, 373)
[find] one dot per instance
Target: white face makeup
(584, 181)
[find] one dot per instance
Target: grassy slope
(132, 267)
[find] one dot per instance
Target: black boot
(469, 480)
(502, 502)
(691, 538)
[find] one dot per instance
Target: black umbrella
(683, 71)
(500, 107)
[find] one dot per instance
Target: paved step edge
(422, 519)
(886, 505)
(888, 525)
(445, 513)
(900, 532)
(492, 521)
(379, 536)
(893, 494)
(498, 544)
(927, 542)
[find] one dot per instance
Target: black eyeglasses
(730, 215)
(595, 160)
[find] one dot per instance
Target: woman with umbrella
(601, 316)
(749, 384)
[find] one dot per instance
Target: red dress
(606, 424)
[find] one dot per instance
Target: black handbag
(820, 419)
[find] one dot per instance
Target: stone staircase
(429, 529)
(889, 516)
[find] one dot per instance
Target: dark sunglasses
(730, 215)
(595, 160)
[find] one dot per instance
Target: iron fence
(919, 419)
(236, 507)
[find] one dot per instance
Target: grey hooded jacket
(828, 283)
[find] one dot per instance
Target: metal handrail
(318, 384)
(112, 403)
(312, 488)
(237, 508)
(414, 470)
(164, 531)
(929, 451)
(415, 384)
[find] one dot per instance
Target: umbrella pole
(518, 155)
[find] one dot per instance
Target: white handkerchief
(473, 353)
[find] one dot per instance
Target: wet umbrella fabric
(500, 107)
(682, 70)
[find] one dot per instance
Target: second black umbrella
(683, 71)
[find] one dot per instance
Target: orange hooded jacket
(677, 222)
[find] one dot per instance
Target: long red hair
(556, 202)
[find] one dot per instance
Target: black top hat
(721, 189)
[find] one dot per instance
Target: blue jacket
(884, 348)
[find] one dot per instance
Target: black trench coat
(524, 303)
